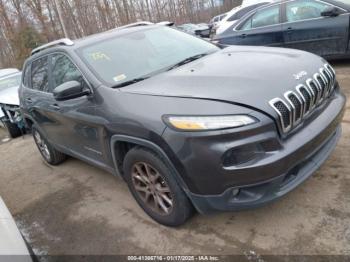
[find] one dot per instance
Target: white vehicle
(12, 245)
(237, 12)
(8, 71)
(216, 20)
(10, 114)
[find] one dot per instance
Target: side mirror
(331, 11)
(69, 90)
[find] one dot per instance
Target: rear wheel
(155, 189)
(48, 152)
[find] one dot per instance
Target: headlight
(202, 123)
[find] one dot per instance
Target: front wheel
(48, 152)
(155, 189)
(12, 129)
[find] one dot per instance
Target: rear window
(244, 11)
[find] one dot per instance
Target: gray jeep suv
(187, 125)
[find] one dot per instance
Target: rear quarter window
(244, 11)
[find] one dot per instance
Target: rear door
(306, 29)
(262, 28)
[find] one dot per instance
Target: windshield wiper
(187, 60)
(130, 82)
(183, 62)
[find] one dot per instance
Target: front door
(76, 130)
(307, 30)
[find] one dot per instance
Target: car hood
(8, 71)
(9, 96)
(250, 76)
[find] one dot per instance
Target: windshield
(8, 82)
(142, 54)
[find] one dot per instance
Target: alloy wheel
(42, 146)
(152, 188)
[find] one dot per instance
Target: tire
(153, 185)
(48, 152)
(12, 129)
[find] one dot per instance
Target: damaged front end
(12, 120)
(10, 114)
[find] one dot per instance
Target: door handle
(289, 30)
(55, 107)
(29, 100)
(243, 35)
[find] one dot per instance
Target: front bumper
(259, 195)
(12, 113)
(278, 167)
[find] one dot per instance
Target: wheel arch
(118, 143)
(28, 122)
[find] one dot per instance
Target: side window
(264, 17)
(304, 9)
(242, 12)
(63, 70)
(222, 17)
(40, 73)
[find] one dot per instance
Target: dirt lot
(79, 209)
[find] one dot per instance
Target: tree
(24, 42)
(24, 24)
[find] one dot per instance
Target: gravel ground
(78, 209)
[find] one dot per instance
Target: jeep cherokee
(187, 125)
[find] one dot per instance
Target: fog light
(235, 192)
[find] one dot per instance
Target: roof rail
(63, 41)
(144, 23)
(166, 23)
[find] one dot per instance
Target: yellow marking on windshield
(100, 56)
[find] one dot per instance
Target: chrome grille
(323, 85)
(327, 80)
(306, 97)
(298, 104)
(331, 73)
(284, 112)
(316, 91)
